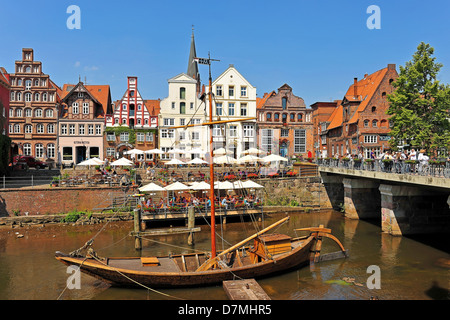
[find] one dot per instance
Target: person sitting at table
(161, 203)
(149, 202)
(224, 202)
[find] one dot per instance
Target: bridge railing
(431, 168)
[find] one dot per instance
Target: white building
(234, 98)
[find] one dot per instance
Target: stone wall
(42, 201)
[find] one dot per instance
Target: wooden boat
(270, 254)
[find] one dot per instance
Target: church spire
(192, 70)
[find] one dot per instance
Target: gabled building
(285, 124)
(34, 102)
(4, 101)
(132, 124)
(321, 112)
(360, 123)
(234, 97)
(82, 122)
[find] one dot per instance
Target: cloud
(77, 64)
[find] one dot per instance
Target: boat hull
(120, 275)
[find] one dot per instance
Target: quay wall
(303, 192)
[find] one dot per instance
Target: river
(409, 268)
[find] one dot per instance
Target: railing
(431, 168)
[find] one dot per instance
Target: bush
(73, 216)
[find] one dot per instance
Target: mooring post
(191, 225)
(137, 236)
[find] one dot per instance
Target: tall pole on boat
(211, 167)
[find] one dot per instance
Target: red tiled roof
(261, 101)
(153, 106)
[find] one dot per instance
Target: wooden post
(137, 238)
(191, 225)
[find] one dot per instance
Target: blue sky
(317, 47)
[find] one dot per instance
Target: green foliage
(420, 104)
(73, 216)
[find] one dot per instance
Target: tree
(420, 104)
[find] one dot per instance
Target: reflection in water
(409, 269)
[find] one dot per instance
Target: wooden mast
(211, 168)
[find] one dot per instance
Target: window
(91, 129)
(231, 108)
(139, 106)
(300, 117)
(13, 96)
(243, 109)
(173, 105)
(44, 97)
(231, 91)
(284, 133)
(110, 152)
(195, 135)
(370, 139)
(116, 120)
(219, 91)
(182, 93)
(71, 129)
(267, 140)
(75, 108)
(366, 123)
(124, 136)
(149, 136)
(182, 122)
(85, 107)
(217, 130)
(27, 84)
(192, 105)
(39, 149)
(248, 131)
(124, 107)
(169, 122)
(277, 117)
(36, 82)
(51, 128)
(28, 112)
(182, 135)
(18, 112)
(131, 93)
(233, 131)
(49, 113)
(28, 128)
(284, 103)
(182, 108)
(138, 121)
(284, 117)
(19, 96)
(243, 91)
(292, 117)
(50, 150)
(374, 109)
(67, 153)
(38, 113)
(218, 109)
(39, 128)
(268, 116)
(98, 129)
(374, 123)
(17, 128)
(166, 133)
(27, 149)
(140, 137)
(11, 113)
(299, 141)
(81, 129)
(36, 96)
(110, 136)
(63, 129)
(28, 97)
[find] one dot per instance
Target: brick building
(360, 123)
(82, 121)
(133, 123)
(284, 124)
(33, 113)
(4, 101)
(321, 112)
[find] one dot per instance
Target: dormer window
(284, 103)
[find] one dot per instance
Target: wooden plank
(149, 261)
(247, 289)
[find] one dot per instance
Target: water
(410, 269)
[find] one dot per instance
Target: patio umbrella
(197, 161)
(91, 162)
(196, 151)
(122, 162)
(224, 159)
(273, 157)
(251, 184)
(154, 151)
(151, 187)
(221, 151)
(225, 185)
(248, 158)
(201, 186)
(238, 184)
(134, 151)
(253, 151)
(177, 186)
(174, 162)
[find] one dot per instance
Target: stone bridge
(406, 203)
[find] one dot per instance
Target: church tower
(192, 70)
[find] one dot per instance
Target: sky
(317, 47)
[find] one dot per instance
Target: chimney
(355, 91)
(391, 66)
